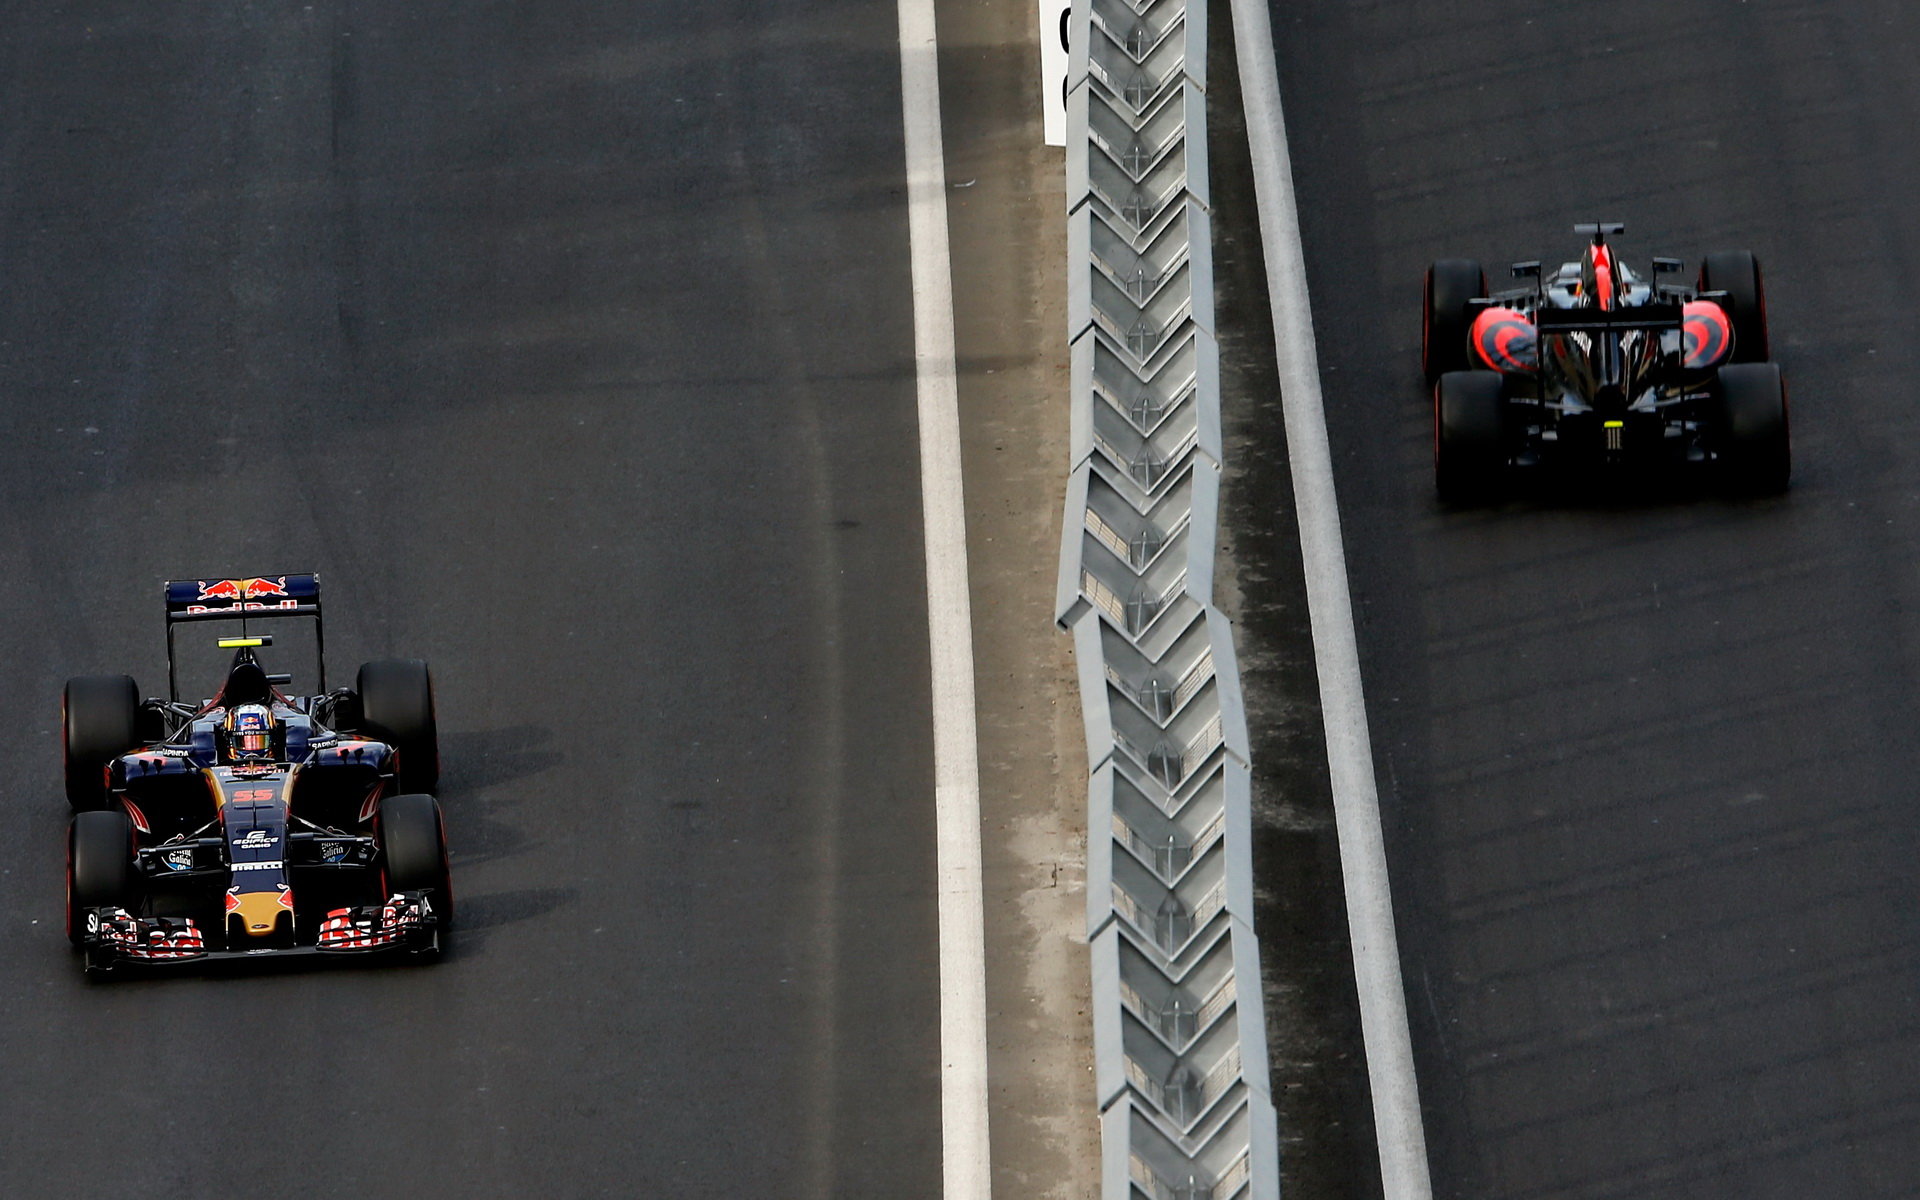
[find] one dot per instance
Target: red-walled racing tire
(100, 721)
(1469, 436)
(100, 867)
(1737, 273)
(1445, 320)
(396, 706)
(1756, 456)
(413, 840)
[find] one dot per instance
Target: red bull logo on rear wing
(245, 598)
(249, 596)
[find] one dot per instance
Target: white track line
(956, 761)
(1356, 794)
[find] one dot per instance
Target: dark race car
(254, 823)
(1598, 365)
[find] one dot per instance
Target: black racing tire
(1446, 323)
(1469, 436)
(100, 721)
(100, 867)
(1737, 273)
(414, 841)
(396, 706)
(1756, 456)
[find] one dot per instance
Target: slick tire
(100, 721)
(1469, 437)
(1737, 273)
(1756, 456)
(396, 706)
(414, 841)
(1445, 322)
(100, 869)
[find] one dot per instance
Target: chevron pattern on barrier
(1179, 1032)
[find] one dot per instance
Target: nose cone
(258, 914)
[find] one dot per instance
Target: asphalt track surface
(571, 343)
(1646, 755)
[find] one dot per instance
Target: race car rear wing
(1658, 317)
(254, 598)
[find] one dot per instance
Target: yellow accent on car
(259, 912)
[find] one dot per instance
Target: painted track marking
(956, 764)
(1356, 793)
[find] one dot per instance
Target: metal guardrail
(1179, 1032)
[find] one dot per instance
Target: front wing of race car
(406, 922)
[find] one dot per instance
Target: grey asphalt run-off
(570, 342)
(1645, 754)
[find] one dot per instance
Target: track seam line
(1356, 795)
(965, 1161)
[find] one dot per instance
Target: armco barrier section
(1179, 1033)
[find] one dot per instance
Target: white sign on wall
(1053, 68)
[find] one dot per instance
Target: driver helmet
(250, 732)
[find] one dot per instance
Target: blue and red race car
(254, 823)
(1597, 365)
